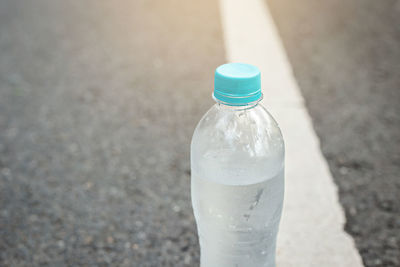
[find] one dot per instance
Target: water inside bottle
(237, 223)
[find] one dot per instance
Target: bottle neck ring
(240, 106)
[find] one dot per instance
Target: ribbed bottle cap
(237, 84)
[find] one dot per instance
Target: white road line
(311, 231)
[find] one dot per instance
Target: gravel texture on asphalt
(346, 59)
(98, 102)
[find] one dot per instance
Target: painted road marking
(311, 231)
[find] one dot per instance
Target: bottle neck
(227, 106)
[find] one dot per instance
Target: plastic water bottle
(237, 166)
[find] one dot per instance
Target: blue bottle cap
(237, 84)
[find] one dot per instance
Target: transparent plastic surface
(237, 166)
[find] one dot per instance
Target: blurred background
(99, 99)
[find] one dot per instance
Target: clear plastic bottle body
(237, 185)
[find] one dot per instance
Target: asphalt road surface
(346, 59)
(98, 101)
